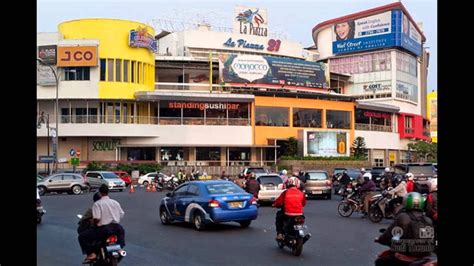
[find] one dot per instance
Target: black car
(353, 173)
(422, 173)
(377, 173)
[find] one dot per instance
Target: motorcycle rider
(400, 191)
(181, 176)
(241, 181)
(106, 213)
(252, 186)
(87, 222)
(410, 182)
(291, 203)
(410, 224)
(284, 176)
(387, 178)
(367, 190)
(432, 206)
(344, 181)
(302, 177)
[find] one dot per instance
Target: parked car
(148, 178)
(39, 178)
(63, 182)
(271, 186)
(205, 202)
(125, 177)
(318, 183)
(97, 178)
(257, 170)
(377, 173)
(422, 173)
(353, 173)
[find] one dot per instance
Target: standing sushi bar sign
(140, 38)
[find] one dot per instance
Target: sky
(295, 18)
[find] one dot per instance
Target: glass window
(316, 176)
(361, 118)
(181, 191)
(57, 178)
(76, 73)
(92, 115)
(138, 72)
(65, 115)
(208, 154)
(224, 188)
(193, 190)
(271, 116)
(239, 154)
(338, 119)
(172, 153)
(68, 177)
(80, 115)
(273, 179)
(125, 70)
(132, 71)
(168, 110)
(110, 70)
(102, 69)
(303, 117)
(118, 70)
(141, 154)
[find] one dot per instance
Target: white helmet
(433, 184)
(284, 172)
(362, 169)
(369, 175)
(410, 176)
(293, 181)
(387, 169)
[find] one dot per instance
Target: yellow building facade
(432, 112)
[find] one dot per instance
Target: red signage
(377, 115)
(202, 106)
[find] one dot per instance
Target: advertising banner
(140, 38)
(407, 91)
(47, 53)
(78, 56)
(326, 143)
(266, 70)
(44, 76)
(376, 87)
(251, 21)
(410, 37)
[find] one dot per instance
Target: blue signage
(388, 29)
(140, 38)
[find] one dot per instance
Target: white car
(271, 186)
(146, 179)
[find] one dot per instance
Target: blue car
(205, 202)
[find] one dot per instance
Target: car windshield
(257, 170)
(422, 169)
(378, 170)
(338, 170)
(275, 180)
(353, 173)
(223, 188)
(317, 176)
(109, 175)
(39, 178)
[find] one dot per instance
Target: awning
(193, 96)
(378, 107)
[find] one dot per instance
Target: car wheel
(41, 190)
(198, 221)
(245, 224)
(145, 183)
(164, 217)
(76, 190)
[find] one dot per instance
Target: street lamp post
(41, 121)
(55, 133)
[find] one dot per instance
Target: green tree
(96, 166)
(424, 150)
(358, 149)
(290, 148)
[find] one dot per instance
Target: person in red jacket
(410, 183)
(291, 203)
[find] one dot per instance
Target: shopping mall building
(203, 96)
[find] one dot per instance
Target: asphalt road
(335, 240)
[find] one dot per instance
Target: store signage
(105, 145)
(241, 43)
(45, 76)
(251, 21)
(78, 56)
(140, 38)
(376, 87)
(202, 106)
(376, 115)
(48, 54)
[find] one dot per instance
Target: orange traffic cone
(148, 188)
(132, 189)
(153, 188)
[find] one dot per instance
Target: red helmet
(293, 182)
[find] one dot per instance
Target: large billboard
(375, 32)
(267, 70)
(77, 56)
(47, 53)
(250, 21)
(323, 143)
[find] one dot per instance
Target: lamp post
(55, 132)
(41, 121)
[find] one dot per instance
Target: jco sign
(77, 56)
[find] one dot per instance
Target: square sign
(75, 161)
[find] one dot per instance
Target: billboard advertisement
(250, 21)
(47, 53)
(407, 91)
(387, 29)
(77, 56)
(326, 144)
(267, 70)
(44, 76)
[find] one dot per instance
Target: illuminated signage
(140, 38)
(77, 56)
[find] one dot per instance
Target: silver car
(63, 182)
(271, 186)
(97, 178)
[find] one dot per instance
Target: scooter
(294, 235)
(40, 211)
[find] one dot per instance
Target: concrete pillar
(158, 154)
(253, 155)
(223, 156)
(192, 154)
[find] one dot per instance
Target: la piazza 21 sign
(272, 45)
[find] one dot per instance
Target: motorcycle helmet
(414, 201)
(410, 176)
(433, 184)
(293, 182)
(96, 196)
(367, 176)
(387, 170)
(284, 172)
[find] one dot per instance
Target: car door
(176, 204)
(67, 181)
(94, 180)
(55, 182)
(187, 198)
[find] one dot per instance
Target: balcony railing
(153, 120)
(371, 127)
(409, 130)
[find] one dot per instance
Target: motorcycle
(109, 253)
(166, 182)
(40, 211)
(294, 235)
(380, 207)
(408, 260)
(353, 203)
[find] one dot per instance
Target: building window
(141, 154)
(239, 154)
(338, 119)
(125, 70)
(407, 63)
(172, 153)
(138, 72)
(378, 162)
(118, 70)
(102, 69)
(303, 117)
(92, 115)
(80, 115)
(132, 71)
(65, 118)
(208, 154)
(409, 125)
(76, 73)
(110, 70)
(271, 116)
(380, 61)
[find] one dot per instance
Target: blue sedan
(205, 202)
